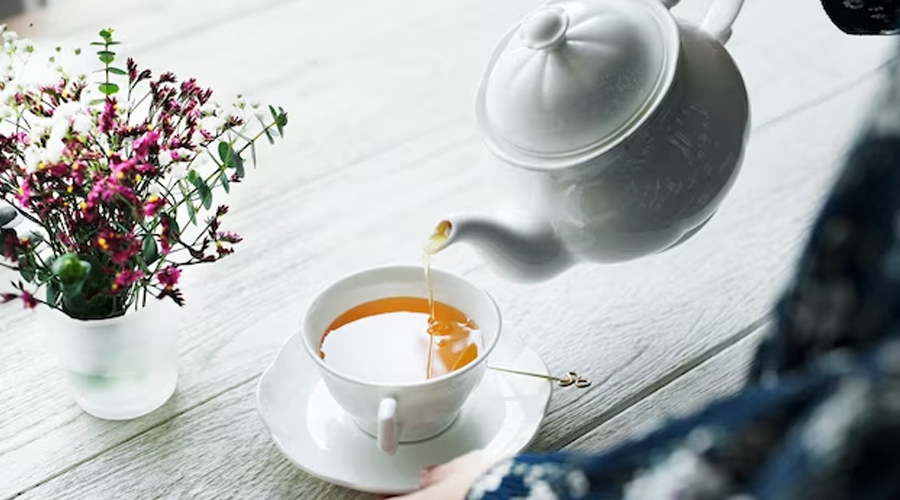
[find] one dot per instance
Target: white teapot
(621, 129)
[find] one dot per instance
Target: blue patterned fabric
(820, 417)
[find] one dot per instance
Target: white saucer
(503, 415)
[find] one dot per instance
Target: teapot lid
(575, 78)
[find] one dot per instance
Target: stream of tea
(434, 244)
(391, 339)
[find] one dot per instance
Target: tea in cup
(400, 371)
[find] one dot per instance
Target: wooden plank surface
(380, 101)
(195, 455)
(714, 379)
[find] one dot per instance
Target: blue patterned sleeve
(833, 433)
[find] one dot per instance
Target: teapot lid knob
(545, 28)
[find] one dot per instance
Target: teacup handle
(387, 425)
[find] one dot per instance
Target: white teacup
(402, 412)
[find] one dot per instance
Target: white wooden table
(380, 146)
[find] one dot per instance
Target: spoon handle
(571, 378)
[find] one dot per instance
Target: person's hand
(452, 480)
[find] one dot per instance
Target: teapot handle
(719, 19)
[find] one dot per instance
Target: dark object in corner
(864, 17)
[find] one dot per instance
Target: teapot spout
(517, 248)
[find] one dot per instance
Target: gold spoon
(571, 378)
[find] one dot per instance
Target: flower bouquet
(115, 172)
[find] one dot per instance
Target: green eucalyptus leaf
(207, 198)
(53, 291)
(231, 158)
(117, 71)
(223, 179)
(224, 152)
(203, 190)
(109, 88)
(150, 252)
(237, 163)
(205, 194)
(188, 204)
(176, 229)
(281, 121)
(27, 273)
(106, 56)
(192, 212)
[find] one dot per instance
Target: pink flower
(144, 146)
(229, 237)
(120, 247)
(78, 170)
(166, 237)
(168, 277)
(145, 168)
(109, 116)
(132, 69)
(28, 300)
(153, 204)
(107, 189)
(125, 279)
(123, 170)
(23, 196)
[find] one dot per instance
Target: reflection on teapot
(621, 128)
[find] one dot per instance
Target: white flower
(40, 125)
(201, 161)
(197, 137)
(82, 124)
(33, 157)
(67, 110)
(179, 170)
(27, 45)
(10, 36)
(165, 157)
(212, 123)
(53, 151)
(210, 108)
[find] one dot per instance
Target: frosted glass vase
(118, 368)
